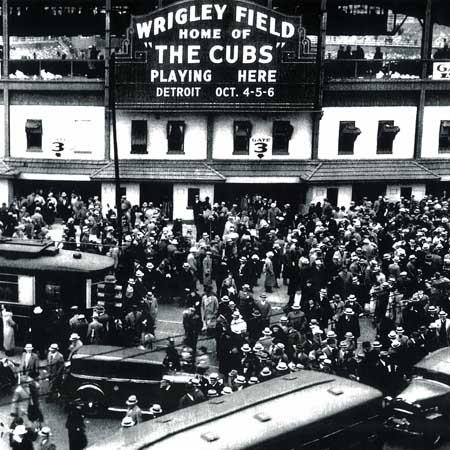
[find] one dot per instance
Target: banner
(213, 53)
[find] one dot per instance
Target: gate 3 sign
(218, 53)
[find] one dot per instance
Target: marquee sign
(205, 54)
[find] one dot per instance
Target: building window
(33, 129)
(386, 135)
(281, 135)
(138, 137)
(444, 137)
(192, 193)
(242, 133)
(175, 136)
(348, 133)
(9, 288)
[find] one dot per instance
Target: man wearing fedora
(45, 442)
(348, 323)
(29, 362)
(443, 329)
(55, 369)
(133, 411)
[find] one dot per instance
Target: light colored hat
(132, 400)
(267, 332)
(349, 311)
(54, 347)
(240, 379)
(45, 431)
(28, 347)
(227, 390)
(331, 334)
(156, 409)
(74, 337)
(392, 335)
(38, 310)
(127, 422)
(20, 430)
(246, 348)
(282, 366)
(258, 347)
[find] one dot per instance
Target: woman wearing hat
(21, 438)
(9, 330)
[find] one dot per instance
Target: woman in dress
(9, 328)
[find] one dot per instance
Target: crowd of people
(378, 268)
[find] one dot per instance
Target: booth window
(192, 193)
(387, 132)
(9, 288)
(138, 137)
(242, 133)
(281, 135)
(348, 133)
(444, 137)
(33, 129)
(175, 136)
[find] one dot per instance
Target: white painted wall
(194, 138)
(6, 191)
(108, 196)
(2, 133)
(366, 119)
(81, 128)
(180, 199)
(133, 193)
(299, 145)
(319, 193)
(393, 191)
(431, 125)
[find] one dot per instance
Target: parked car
(102, 377)
(422, 409)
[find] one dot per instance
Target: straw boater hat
(74, 337)
(349, 311)
(127, 422)
(132, 400)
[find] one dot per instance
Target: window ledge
(34, 150)
(280, 153)
(175, 152)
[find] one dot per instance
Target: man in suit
(55, 369)
(443, 329)
(348, 323)
(29, 364)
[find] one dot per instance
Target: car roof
(113, 353)
(262, 412)
(436, 362)
(421, 389)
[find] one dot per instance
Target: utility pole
(112, 105)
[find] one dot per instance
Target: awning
(298, 170)
(160, 170)
(14, 167)
(371, 170)
(440, 166)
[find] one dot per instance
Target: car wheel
(92, 400)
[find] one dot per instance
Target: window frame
(381, 150)
(170, 149)
(138, 134)
(445, 124)
(31, 132)
(242, 129)
(342, 150)
(285, 134)
(191, 193)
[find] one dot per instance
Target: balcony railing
(56, 69)
(386, 69)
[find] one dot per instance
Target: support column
(107, 152)
(5, 75)
(426, 49)
(209, 137)
(320, 64)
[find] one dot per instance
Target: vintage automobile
(102, 377)
(422, 409)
